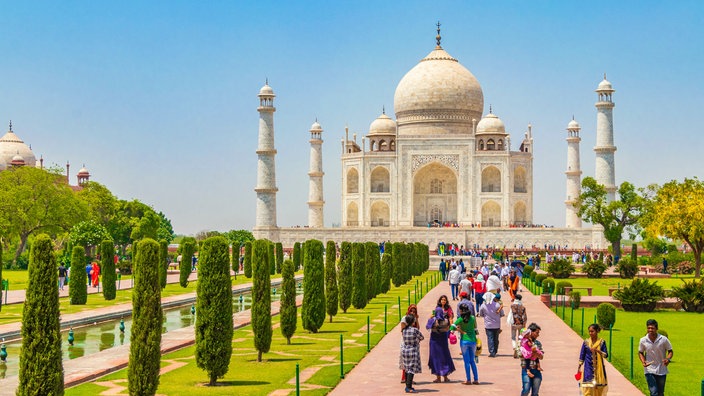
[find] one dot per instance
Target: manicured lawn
(318, 355)
(684, 331)
(17, 278)
(600, 286)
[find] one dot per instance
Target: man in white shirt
(493, 284)
(466, 284)
(454, 277)
(655, 353)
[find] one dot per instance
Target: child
(534, 349)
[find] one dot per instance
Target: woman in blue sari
(591, 364)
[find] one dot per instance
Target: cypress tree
(385, 278)
(371, 249)
(288, 301)
(236, 257)
(261, 297)
(313, 308)
(331, 279)
(163, 262)
(188, 248)
(359, 290)
(2, 264)
(396, 264)
(279, 256)
(41, 370)
(214, 306)
(77, 288)
(247, 265)
(272, 259)
(376, 266)
(297, 256)
(107, 269)
(345, 272)
(407, 262)
(147, 318)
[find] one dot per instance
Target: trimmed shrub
(147, 318)
(691, 295)
(385, 279)
(560, 269)
(107, 269)
(359, 289)
(371, 259)
(397, 263)
(214, 307)
(575, 299)
(527, 270)
(236, 257)
(288, 310)
(272, 258)
(188, 249)
(77, 283)
(533, 274)
(640, 296)
(41, 370)
(247, 264)
(346, 280)
(627, 268)
(261, 296)
(634, 252)
(594, 269)
(539, 279)
(331, 293)
(297, 256)
(549, 285)
(313, 308)
(560, 287)
(279, 256)
(163, 262)
(606, 315)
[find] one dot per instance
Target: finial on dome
(572, 117)
(383, 109)
(266, 81)
(491, 111)
(10, 125)
(438, 38)
(604, 75)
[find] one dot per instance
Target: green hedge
(313, 308)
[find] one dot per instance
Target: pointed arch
(352, 214)
(352, 181)
(380, 214)
(491, 214)
(491, 179)
(380, 179)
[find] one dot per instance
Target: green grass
(600, 286)
(683, 328)
(277, 370)
(13, 312)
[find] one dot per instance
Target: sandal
(437, 380)
(466, 383)
(446, 379)
(475, 382)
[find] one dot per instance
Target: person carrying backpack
(517, 319)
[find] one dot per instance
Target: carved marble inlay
(452, 161)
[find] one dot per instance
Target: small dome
(316, 127)
(83, 171)
(605, 85)
(383, 125)
(17, 160)
(11, 145)
(573, 125)
(266, 91)
(491, 124)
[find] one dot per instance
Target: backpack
(518, 315)
(441, 325)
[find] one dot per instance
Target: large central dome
(438, 89)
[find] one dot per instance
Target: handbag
(578, 376)
(453, 338)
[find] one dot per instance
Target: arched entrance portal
(434, 195)
(491, 214)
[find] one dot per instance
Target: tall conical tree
(163, 262)
(289, 310)
(385, 278)
(147, 318)
(261, 297)
(371, 251)
(41, 370)
(397, 254)
(188, 249)
(279, 256)
(313, 308)
(214, 307)
(359, 291)
(345, 271)
(297, 256)
(247, 264)
(331, 293)
(77, 288)
(236, 258)
(107, 266)
(272, 259)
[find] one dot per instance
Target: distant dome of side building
(10, 146)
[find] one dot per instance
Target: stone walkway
(378, 372)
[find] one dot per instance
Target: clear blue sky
(158, 98)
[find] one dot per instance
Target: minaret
(266, 165)
(574, 175)
(604, 149)
(315, 186)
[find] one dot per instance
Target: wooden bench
(568, 289)
(644, 269)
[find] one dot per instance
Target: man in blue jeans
(655, 353)
(492, 313)
(531, 377)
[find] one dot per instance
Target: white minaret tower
(315, 186)
(574, 175)
(604, 149)
(266, 164)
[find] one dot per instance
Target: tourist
(443, 269)
(517, 319)
(454, 278)
(466, 284)
(440, 361)
(655, 353)
(514, 283)
(466, 324)
(413, 311)
(62, 276)
(464, 299)
(591, 364)
(409, 359)
(531, 354)
(492, 312)
(493, 284)
(479, 290)
(95, 274)
(89, 272)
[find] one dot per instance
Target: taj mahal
(443, 170)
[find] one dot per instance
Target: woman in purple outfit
(440, 361)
